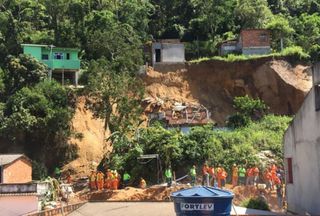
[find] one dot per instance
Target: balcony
(62, 64)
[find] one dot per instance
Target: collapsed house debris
(176, 113)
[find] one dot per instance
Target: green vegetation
(225, 147)
(35, 114)
(292, 53)
(255, 203)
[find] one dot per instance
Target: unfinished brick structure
(255, 41)
(250, 42)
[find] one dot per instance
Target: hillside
(214, 84)
(92, 145)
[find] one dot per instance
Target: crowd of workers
(272, 176)
(110, 180)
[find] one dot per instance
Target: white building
(302, 153)
(167, 51)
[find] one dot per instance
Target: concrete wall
(18, 205)
(19, 171)
(256, 50)
(316, 73)
(302, 144)
(33, 51)
(228, 48)
(18, 188)
(170, 53)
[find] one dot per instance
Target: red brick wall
(252, 38)
(19, 171)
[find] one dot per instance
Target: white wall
(302, 144)
(18, 205)
(170, 52)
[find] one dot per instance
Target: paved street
(142, 209)
(126, 209)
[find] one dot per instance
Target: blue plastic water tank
(202, 201)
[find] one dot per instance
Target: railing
(62, 64)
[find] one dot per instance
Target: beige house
(18, 196)
(15, 168)
(302, 154)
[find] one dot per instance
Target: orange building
(15, 168)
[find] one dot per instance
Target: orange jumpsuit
(224, 175)
(219, 176)
(234, 176)
(211, 172)
(107, 182)
(100, 177)
(92, 179)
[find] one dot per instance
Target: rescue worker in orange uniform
(211, 173)
(255, 175)
(100, 178)
(115, 180)
(273, 175)
(234, 175)
(249, 176)
(143, 183)
(224, 175)
(268, 179)
(219, 175)
(278, 185)
(107, 184)
(205, 174)
(92, 180)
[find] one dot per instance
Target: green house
(63, 63)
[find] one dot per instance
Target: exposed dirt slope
(92, 145)
(215, 83)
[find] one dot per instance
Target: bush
(224, 147)
(295, 53)
(255, 203)
(39, 170)
(315, 53)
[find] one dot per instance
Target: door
(1, 179)
(158, 55)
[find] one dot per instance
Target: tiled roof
(9, 158)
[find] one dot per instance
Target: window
(289, 171)
(68, 56)
(263, 37)
(317, 96)
(45, 57)
(58, 55)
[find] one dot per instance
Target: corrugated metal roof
(9, 158)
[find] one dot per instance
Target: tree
(307, 30)
(280, 29)
(247, 109)
(2, 85)
(38, 118)
(213, 17)
(124, 54)
(253, 13)
(23, 71)
(116, 96)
